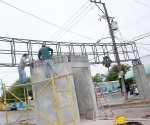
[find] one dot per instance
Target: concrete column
(83, 85)
(45, 102)
(142, 82)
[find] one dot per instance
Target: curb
(129, 104)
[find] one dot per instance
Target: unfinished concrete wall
(45, 102)
(84, 85)
(81, 87)
(142, 82)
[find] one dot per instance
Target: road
(133, 113)
(13, 115)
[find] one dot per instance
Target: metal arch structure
(11, 50)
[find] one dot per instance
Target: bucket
(120, 120)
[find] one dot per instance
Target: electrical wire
(45, 21)
(135, 23)
(129, 47)
(142, 3)
(140, 35)
(69, 19)
(141, 38)
(71, 22)
(76, 22)
(130, 41)
(134, 20)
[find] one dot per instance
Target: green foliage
(98, 77)
(113, 72)
(18, 91)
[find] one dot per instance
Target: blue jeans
(48, 63)
(22, 75)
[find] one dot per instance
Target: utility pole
(114, 45)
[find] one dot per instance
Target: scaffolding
(28, 106)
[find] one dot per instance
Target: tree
(98, 77)
(113, 74)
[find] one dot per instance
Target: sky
(133, 17)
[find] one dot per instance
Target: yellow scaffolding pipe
(5, 98)
(69, 94)
(35, 98)
(14, 99)
(55, 100)
(64, 106)
(33, 109)
(28, 106)
(68, 122)
(61, 90)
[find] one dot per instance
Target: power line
(134, 20)
(128, 46)
(69, 19)
(135, 23)
(141, 35)
(142, 3)
(141, 38)
(76, 22)
(45, 20)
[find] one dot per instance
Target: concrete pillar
(142, 82)
(45, 102)
(83, 85)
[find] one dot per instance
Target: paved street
(13, 115)
(131, 114)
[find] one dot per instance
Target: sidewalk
(97, 122)
(118, 101)
(108, 122)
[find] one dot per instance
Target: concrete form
(82, 89)
(142, 82)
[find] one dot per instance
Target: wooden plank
(46, 80)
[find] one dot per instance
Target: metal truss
(11, 49)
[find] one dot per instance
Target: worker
(128, 90)
(21, 67)
(136, 91)
(47, 60)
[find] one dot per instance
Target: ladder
(100, 95)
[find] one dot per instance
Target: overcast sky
(133, 19)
